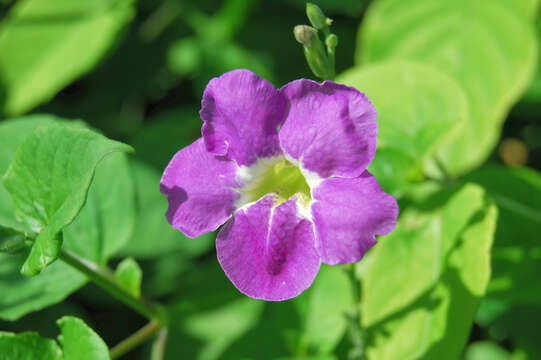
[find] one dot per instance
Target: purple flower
(285, 169)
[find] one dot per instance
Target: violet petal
(241, 113)
(269, 253)
(330, 127)
(198, 186)
(347, 214)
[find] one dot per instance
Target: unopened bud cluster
(319, 55)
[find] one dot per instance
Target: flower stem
(104, 277)
(135, 339)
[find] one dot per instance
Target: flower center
(278, 176)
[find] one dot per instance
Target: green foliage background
(452, 81)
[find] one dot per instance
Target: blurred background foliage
(457, 85)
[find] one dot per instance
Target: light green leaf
(46, 44)
(533, 94)
(422, 283)
(527, 9)
(419, 109)
(48, 180)
(486, 350)
(28, 346)
(129, 275)
(490, 51)
(330, 299)
(153, 235)
(516, 255)
(80, 342)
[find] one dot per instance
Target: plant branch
(158, 348)
(135, 339)
(104, 277)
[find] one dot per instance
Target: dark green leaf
(153, 235)
(11, 241)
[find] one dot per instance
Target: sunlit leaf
(516, 255)
(489, 50)
(423, 283)
(46, 44)
(419, 110)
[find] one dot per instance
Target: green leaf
(329, 300)
(419, 110)
(524, 8)
(46, 44)
(533, 94)
(48, 180)
(22, 294)
(28, 346)
(80, 342)
(210, 316)
(486, 350)
(520, 326)
(516, 255)
(12, 133)
(11, 241)
(152, 224)
(104, 223)
(489, 50)
(165, 134)
(129, 275)
(208, 57)
(424, 281)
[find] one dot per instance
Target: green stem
(135, 339)
(105, 278)
(356, 330)
(158, 348)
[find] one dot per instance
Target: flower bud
(304, 34)
(316, 16)
(331, 41)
